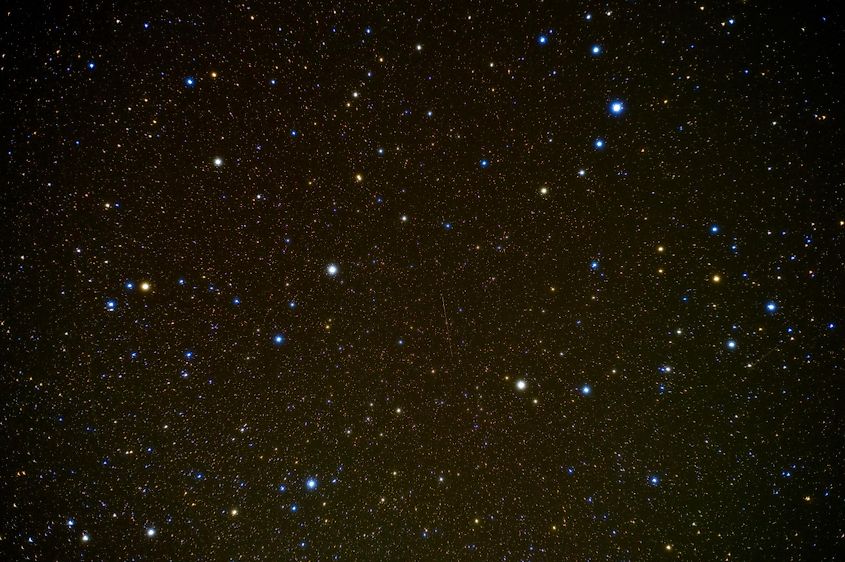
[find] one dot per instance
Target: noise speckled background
(421, 281)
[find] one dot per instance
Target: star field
(422, 281)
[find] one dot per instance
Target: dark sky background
(421, 281)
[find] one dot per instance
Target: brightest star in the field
(218, 162)
(617, 107)
(331, 270)
(521, 384)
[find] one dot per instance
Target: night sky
(434, 281)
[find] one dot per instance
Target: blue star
(279, 339)
(331, 269)
(236, 301)
(714, 229)
(542, 39)
(91, 65)
(594, 265)
(111, 304)
(771, 306)
(731, 344)
(129, 285)
(596, 50)
(283, 488)
(586, 390)
(654, 480)
(190, 81)
(311, 483)
(484, 163)
(189, 354)
(294, 507)
(294, 133)
(599, 144)
(617, 107)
